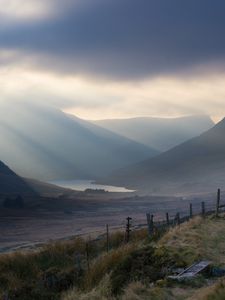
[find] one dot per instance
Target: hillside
(197, 165)
(45, 189)
(49, 144)
(12, 184)
(135, 271)
(159, 133)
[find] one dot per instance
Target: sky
(104, 59)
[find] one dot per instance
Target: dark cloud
(125, 38)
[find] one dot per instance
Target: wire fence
(156, 221)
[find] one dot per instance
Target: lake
(82, 185)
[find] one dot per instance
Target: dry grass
(213, 292)
(100, 292)
(27, 274)
(134, 291)
(197, 239)
(139, 291)
(105, 263)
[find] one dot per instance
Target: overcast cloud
(124, 38)
(114, 42)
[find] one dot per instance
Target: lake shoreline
(85, 184)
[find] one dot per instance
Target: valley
(112, 150)
(45, 219)
(61, 209)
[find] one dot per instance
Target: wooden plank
(194, 269)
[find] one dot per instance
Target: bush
(105, 264)
(147, 265)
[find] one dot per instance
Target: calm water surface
(82, 185)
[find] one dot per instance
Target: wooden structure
(192, 271)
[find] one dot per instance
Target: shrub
(147, 265)
(105, 264)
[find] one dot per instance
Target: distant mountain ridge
(44, 143)
(159, 133)
(197, 165)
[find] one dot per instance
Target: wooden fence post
(128, 230)
(152, 223)
(203, 208)
(107, 238)
(218, 203)
(149, 223)
(167, 219)
(78, 262)
(191, 210)
(88, 256)
(178, 218)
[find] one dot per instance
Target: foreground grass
(59, 266)
(134, 271)
(198, 239)
(179, 247)
(214, 292)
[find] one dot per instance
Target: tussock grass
(139, 291)
(214, 292)
(117, 238)
(198, 239)
(124, 273)
(58, 266)
(100, 292)
(42, 274)
(105, 263)
(23, 274)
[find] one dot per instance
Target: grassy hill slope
(134, 271)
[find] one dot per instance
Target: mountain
(11, 183)
(44, 143)
(45, 189)
(197, 165)
(159, 133)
